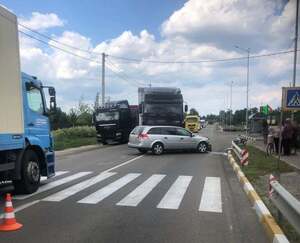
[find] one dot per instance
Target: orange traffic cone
(9, 222)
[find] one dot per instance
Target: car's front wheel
(157, 148)
(202, 147)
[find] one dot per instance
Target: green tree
(73, 116)
(85, 114)
(194, 112)
(59, 119)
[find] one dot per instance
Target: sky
(165, 30)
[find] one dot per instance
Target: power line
(127, 59)
(48, 37)
(120, 76)
(58, 42)
(121, 71)
(59, 48)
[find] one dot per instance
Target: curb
(272, 229)
(78, 150)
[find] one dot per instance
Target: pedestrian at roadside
(295, 127)
(265, 130)
(276, 135)
(287, 135)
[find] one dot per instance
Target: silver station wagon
(161, 138)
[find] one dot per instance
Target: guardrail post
(285, 202)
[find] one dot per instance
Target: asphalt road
(176, 197)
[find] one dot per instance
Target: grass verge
(74, 137)
(258, 170)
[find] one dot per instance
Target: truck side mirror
(51, 91)
(186, 108)
(52, 103)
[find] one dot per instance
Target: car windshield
(107, 116)
(192, 119)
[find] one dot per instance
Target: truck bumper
(50, 162)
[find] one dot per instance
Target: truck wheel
(30, 174)
(157, 148)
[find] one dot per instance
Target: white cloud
(226, 23)
(39, 21)
(200, 30)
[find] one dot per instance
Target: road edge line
(268, 222)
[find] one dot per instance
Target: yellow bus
(192, 123)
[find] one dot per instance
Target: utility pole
(230, 111)
(103, 79)
(247, 91)
(295, 49)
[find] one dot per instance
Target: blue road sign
(291, 98)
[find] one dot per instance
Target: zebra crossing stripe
(61, 195)
(174, 195)
(53, 184)
(136, 196)
(58, 173)
(106, 191)
(211, 200)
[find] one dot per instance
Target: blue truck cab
(25, 157)
(26, 146)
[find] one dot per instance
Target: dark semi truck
(114, 121)
(161, 106)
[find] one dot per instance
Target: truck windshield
(191, 119)
(163, 108)
(107, 116)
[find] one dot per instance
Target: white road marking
(137, 195)
(57, 173)
(53, 184)
(61, 195)
(211, 200)
(124, 163)
(106, 191)
(174, 195)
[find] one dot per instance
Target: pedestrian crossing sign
(291, 98)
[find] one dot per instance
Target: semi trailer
(161, 106)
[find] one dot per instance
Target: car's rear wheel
(157, 148)
(202, 147)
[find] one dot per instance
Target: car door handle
(181, 138)
(31, 124)
(165, 137)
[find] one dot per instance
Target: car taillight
(143, 136)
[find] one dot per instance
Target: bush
(74, 132)
(74, 137)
